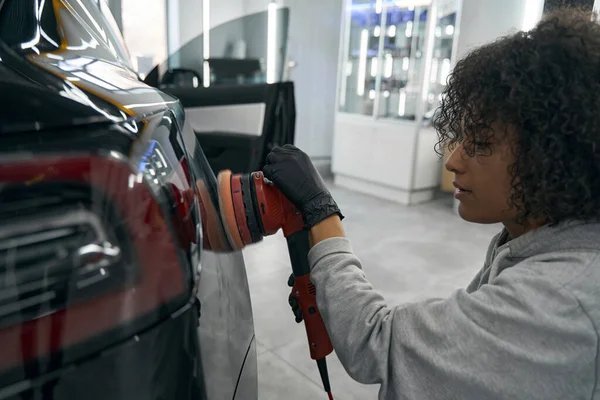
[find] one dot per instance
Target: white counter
(393, 160)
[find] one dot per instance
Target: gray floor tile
(266, 257)
(278, 380)
(260, 348)
(342, 385)
(273, 320)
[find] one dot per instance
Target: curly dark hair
(542, 86)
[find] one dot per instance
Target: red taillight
(136, 247)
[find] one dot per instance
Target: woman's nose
(455, 161)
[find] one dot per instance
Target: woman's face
(483, 183)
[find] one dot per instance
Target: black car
(108, 286)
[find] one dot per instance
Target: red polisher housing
(252, 197)
(276, 211)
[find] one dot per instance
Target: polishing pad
(211, 221)
(227, 211)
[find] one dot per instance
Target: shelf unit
(394, 61)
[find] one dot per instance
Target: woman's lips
(460, 191)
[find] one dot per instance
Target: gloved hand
(293, 302)
(291, 170)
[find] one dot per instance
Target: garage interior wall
(314, 42)
(148, 47)
(483, 21)
(115, 8)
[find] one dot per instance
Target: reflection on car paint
(115, 174)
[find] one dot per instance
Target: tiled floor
(408, 253)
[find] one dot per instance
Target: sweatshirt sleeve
(522, 337)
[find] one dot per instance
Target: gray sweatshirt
(525, 328)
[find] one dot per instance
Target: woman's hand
(291, 170)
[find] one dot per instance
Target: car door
(237, 126)
(236, 115)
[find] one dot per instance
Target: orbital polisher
(251, 208)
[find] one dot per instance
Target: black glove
(291, 170)
(293, 302)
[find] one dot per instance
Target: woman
(522, 116)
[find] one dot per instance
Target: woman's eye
(481, 145)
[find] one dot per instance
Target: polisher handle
(318, 339)
(305, 294)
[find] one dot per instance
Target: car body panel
(157, 364)
(79, 95)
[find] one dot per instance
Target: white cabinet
(394, 61)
